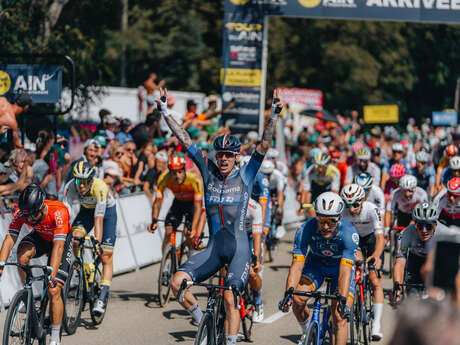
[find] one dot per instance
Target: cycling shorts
(413, 265)
(85, 220)
(178, 211)
(367, 246)
(43, 247)
(314, 273)
(222, 249)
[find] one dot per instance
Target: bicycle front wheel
(167, 270)
(73, 298)
(204, 334)
(17, 329)
(312, 334)
(220, 321)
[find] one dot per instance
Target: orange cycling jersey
(443, 163)
(190, 190)
(54, 227)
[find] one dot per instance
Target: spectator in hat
(9, 111)
(110, 124)
(123, 135)
(112, 174)
(102, 114)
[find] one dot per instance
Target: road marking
(275, 317)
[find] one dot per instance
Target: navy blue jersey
(329, 252)
(261, 190)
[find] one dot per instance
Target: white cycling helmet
(408, 182)
(397, 147)
(352, 193)
(425, 213)
(272, 153)
(329, 204)
(364, 179)
(422, 156)
(322, 158)
(454, 163)
(267, 167)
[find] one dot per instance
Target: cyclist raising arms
(97, 210)
(324, 246)
(227, 191)
(188, 195)
(50, 223)
(367, 219)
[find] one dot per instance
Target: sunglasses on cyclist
(354, 205)
(427, 226)
(324, 220)
(33, 216)
(82, 181)
(226, 154)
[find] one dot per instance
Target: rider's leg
(57, 311)
(189, 302)
(26, 251)
(77, 233)
(299, 303)
(378, 300)
(167, 238)
(340, 325)
(233, 318)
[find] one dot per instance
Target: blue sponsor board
(444, 118)
(42, 82)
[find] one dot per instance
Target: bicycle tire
(220, 321)
(96, 317)
(164, 292)
(11, 317)
(204, 331)
(352, 323)
(392, 252)
(312, 334)
(367, 328)
(75, 294)
(247, 321)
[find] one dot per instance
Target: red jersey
(342, 166)
(54, 227)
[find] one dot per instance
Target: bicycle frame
(89, 269)
(323, 325)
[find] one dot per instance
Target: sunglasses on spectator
(354, 205)
(324, 220)
(119, 153)
(427, 226)
(397, 152)
(83, 181)
(226, 154)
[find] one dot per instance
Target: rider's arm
(350, 241)
(270, 127)
(197, 208)
(299, 254)
(402, 248)
(379, 234)
(99, 212)
(305, 197)
(178, 131)
(157, 204)
(280, 199)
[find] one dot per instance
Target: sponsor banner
(241, 73)
(244, 116)
(381, 113)
(435, 11)
(444, 118)
(42, 82)
(305, 97)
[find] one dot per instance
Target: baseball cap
(101, 140)
(110, 119)
(24, 99)
(111, 167)
(91, 142)
(161, 155)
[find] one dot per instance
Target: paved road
(134, 317)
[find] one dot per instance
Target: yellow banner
(381, 113)
(241, 77)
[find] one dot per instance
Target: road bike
(211, 330)
(361, 317)
(25, 321)
(83, 285)
(319, 331)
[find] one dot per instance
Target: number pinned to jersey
(355, 238)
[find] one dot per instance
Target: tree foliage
(352, 62)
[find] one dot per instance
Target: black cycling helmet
(31, 200)
(227, 142)
(375, 151)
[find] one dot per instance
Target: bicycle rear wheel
(249, 307)
(367, 326)
(204, 332)
(97, 317)
(312, 334)
(73, 298)
(17, 329)
(167, 270)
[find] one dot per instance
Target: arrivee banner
(307, 97)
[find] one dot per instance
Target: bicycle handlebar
(28, 269)
(187, 283)
(315, 294)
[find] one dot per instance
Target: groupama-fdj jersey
(323, 257)
(226, 199)
(261, 194)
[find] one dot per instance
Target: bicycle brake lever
(181, 292)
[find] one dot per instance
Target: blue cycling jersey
(328, 252)
(261, 188)
(447, 174)
(226, 197)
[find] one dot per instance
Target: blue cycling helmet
(227, 142)
(365, 180)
